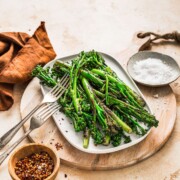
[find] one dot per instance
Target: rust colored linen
(19, 54)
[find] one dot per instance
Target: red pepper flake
(58, 146)
(37, 166)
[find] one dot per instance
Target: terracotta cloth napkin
(19, 54)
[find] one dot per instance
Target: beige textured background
(107, 26)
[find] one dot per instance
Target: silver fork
(36, 121)
(53, 95)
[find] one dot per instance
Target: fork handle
(11, 148)
(11, 133)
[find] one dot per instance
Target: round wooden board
(164, 107)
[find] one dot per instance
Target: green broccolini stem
(143, 131)
(129, 95)
(118, 121)
(61, 64)
(73, 80)
(98, 112)
(93, 78)
(98, 82)
(90, 96)
(140, 114)
(99, 94)
(107, 139)
(86, 138)
(74, 77)
(122, 124)
(95, 132)
(106, 92)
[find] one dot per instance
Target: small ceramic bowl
(29, 149)
(143, 55)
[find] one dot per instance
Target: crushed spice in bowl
(36, 166)
(34, 162)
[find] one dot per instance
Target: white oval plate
(65, 124)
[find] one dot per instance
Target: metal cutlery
(37, 120)
(54, 94)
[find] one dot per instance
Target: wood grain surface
(163, 106)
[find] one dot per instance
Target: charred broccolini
(97, 101)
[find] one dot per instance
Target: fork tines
(47, 110)
(62, 85)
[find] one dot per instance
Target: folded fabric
(19, 54)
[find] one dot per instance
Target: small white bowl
(142, 55)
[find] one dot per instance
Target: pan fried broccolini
(97, 101)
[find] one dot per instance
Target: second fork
(54, 94)
(36, 121)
